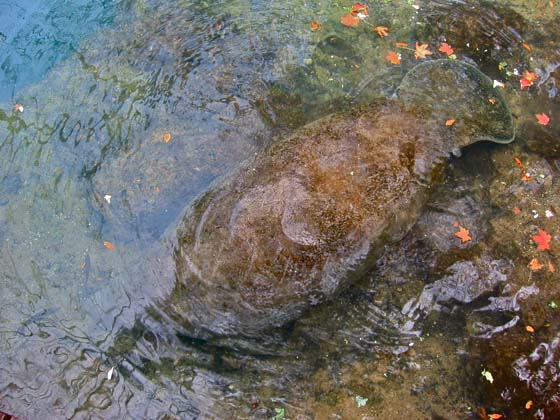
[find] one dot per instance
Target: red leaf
(528, 78)
(542, 239)
(516, 211)
(446, 48)
(450, 122)
(542, 119)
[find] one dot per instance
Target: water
(103, 82)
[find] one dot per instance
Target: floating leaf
(498, 84)
(166, 137)
(421, 51)
(542, 119)
(529, 329)
(446, 48)
(382, 31)
(361, 401)
(107, 198)
(280, 414)
(350, 20)
(529, 77)
(393, 57)
(360, 10)
(110, 373)
(315, 26)
(516, 211)
(18, 108)
(551, 267)
(450, 122)
(488, 376)
(528, 405)
(535, 265)
(542, 239)
(463, 234)
(401, 44)
(108, 245)
(552, 305)
(519, 162)
(495, 416)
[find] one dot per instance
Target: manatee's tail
(451, 89)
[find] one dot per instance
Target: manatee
(309, 216)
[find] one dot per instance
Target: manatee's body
(310, 214)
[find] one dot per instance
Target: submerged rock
(311, 214)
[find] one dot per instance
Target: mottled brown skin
(305, 218)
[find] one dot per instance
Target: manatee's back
(295, 224)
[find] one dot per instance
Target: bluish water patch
(35, 35)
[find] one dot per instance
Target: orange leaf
(350, 20)
(463, 234)
(166, 137)
(519, 162)
(542, 239)
(542, 119)
(528, 405)
(551, 267)
(516, 211)
(421, 51)
(526, 177)
(393, 57)
(360, 9)
(526, 46)
(530, 76)
(381, 31)
(535, 265)
(450, 122)
(446, 48)
(108, 245)
(492, 100)
(315, 26)
(495, 416)
(401, 44)
(530, 329)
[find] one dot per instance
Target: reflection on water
(87, 162)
